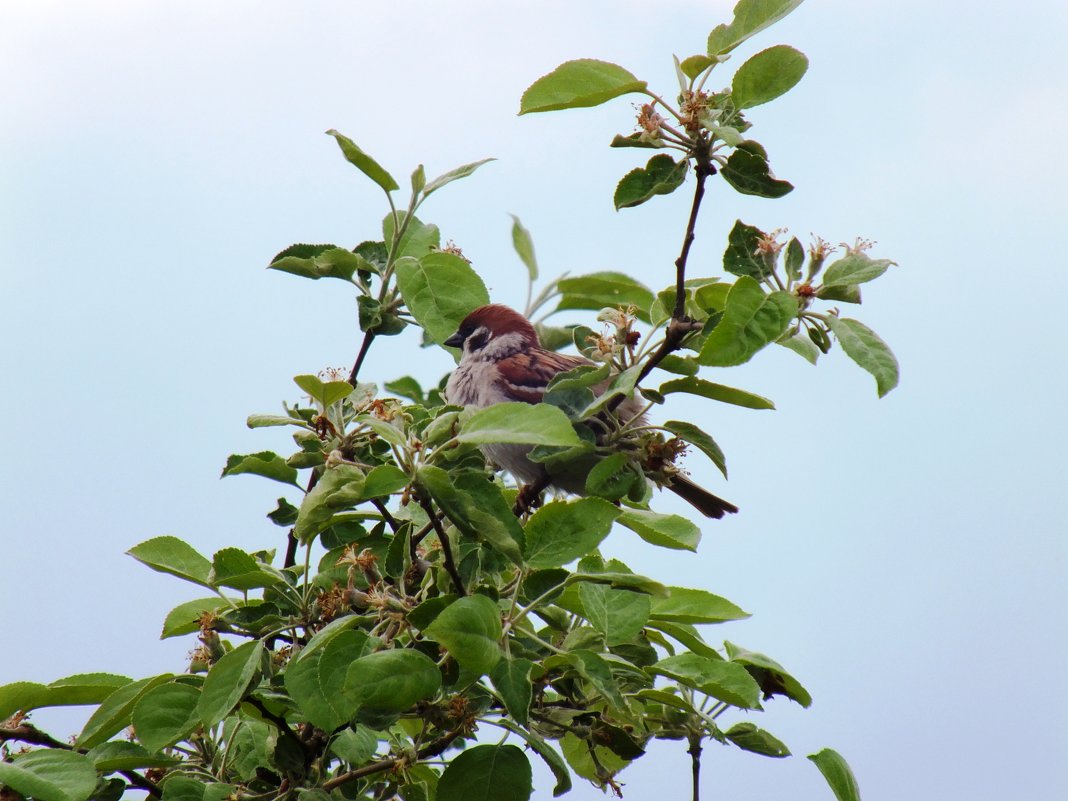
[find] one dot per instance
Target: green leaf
(476, 507)
(769, 674)
(661, 176)
(726, 681)
(750, 738)
(597, 290)
(83, 688)
(232, 567)
(519, 423)
(440, 289)
(326, 392)
(316, 681)
(524, 247)
(695, 436)
(847, 293)
(511, 679)
(618, 614)
(418, 240)
(114, 714)
(418, 179)
(636, 140)
(579, 84)
(454, 175)
(269, 420)
(364, 163)
(165, 715)
(719, 392)
(406, 387)
(228, 681)
(854, 268)
(620, 581)
(837, 773)
(50, 775)
(767, 75)
(391, 681)
(863, 346)
(340, 486)
(666, 531)
(549, 755)
(266, 464)
(685, 605)
(376, 319)
(172, 555)
(487, 773)
(750, 17)
(688, 636)
(117, 755)
(20, 695)
(612, 477)
(354, 746)
(470, 630)
(561, 532)
(184, 618)
(597, 672)
(795, 256)
(747, 170)
(751, 320)
(320, 261)
(741, 257)
(692, 66)
(589, 761)
(800, 344)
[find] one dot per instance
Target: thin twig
(368, 338)
(695, 764)
(680, 325)
(446, 546)
(431, 749)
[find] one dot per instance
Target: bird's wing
(524, 375)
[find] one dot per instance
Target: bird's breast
(475, 382)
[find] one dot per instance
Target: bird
(503, 361)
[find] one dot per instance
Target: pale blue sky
(905, 558)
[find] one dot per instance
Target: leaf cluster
(425, 633)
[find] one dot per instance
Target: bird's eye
(477, 340)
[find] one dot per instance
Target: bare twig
(695, 764)
(680, 325)
(446, 546)
(368, 338)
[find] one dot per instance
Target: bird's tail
(700, 499)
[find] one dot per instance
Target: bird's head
(493, 328)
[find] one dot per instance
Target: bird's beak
(455, 341)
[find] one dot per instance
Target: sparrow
(503, 360)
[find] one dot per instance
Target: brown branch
(680, 325)
(368, 338)
(695, 764)
(431, 749)
(26, 733)
(446, 546)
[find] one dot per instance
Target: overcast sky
(906, 558)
